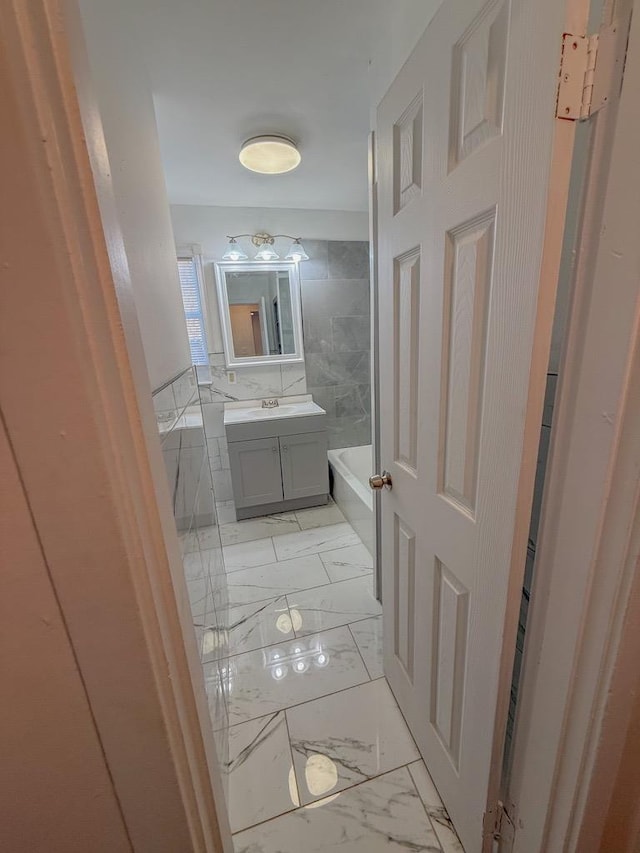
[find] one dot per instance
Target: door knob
(377, 481)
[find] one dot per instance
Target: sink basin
(285, 410)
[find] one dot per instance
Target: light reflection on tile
(267, 680)
(333, 605)
(384, 815)
(355, 734)
(259, 771)
(254, 626)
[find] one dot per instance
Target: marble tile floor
(319, 755)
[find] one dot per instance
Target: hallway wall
(208, 225)
(72, 803)
(137, 176)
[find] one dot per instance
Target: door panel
(464, 140)
(305, 471)
(255, 471)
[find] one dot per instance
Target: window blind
(192, 301)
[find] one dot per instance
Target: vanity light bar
(264, 241)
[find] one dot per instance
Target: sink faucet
(270, 404)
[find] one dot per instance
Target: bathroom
(319, 426)
(282, 588)
(278, 536)
(280, 568)
(276, 304)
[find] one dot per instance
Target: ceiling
(224, 70)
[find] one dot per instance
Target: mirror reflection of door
(265, 296)
(260, 312)
(247, 329)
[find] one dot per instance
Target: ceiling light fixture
(266, 252)
(270, 155)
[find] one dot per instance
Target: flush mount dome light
(270, 155)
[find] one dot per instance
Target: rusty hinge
(591, 69)
(498, 826)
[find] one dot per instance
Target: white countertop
(299, 406)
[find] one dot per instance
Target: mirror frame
(224, 267)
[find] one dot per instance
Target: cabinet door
(255, 471)
(305, 467)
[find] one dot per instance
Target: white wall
(128, 119)
(401, 25)
(58, 794)
(209, 225)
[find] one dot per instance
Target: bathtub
(351, 468)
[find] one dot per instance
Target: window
(192, 300)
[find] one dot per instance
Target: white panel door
(464, 153)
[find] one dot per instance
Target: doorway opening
(319, 714)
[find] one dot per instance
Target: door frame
(78, 411)
(375, 360)
(585, 580)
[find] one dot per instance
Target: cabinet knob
(285, 448)
(275, 449)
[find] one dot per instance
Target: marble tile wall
(337, 336)
(185, 449)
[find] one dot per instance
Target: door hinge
(591, 70)
(499, 827)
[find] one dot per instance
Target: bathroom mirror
(260, 312)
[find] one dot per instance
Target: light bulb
(234, 252)
(279, 672)
(266, 253)
(296, 252)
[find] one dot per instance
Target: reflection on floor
(320, 757)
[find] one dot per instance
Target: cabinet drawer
(255, 472)
(275, 427)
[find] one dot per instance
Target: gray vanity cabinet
(278, 465)
(255, 472)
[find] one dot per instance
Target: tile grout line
(302, 805)
(293, 764)
(299, 530)
(287, 811)
(364, 663)
(424, 805)
(368, 680)
(295, 636)
(343, 791)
